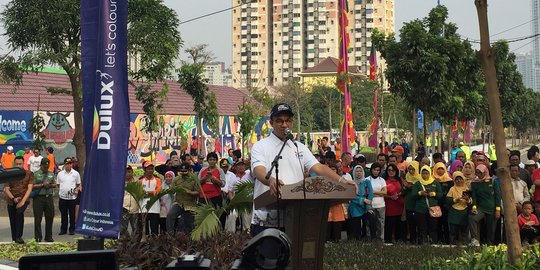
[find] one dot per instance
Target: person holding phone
(458, 199)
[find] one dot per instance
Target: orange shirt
(26, 157)
(402, 166)
(7, 160)
(51, 163)
(336, 213)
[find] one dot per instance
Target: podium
(306, 216)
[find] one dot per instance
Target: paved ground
(28, 233)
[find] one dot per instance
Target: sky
(216, 30)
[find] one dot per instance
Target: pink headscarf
(454, 166)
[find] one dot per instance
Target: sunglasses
(183, 171)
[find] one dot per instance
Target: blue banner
(106, 115)
(420, 119)
(15, 130)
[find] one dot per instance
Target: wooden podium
(306, 216)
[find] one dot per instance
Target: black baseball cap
(45, 161)
(281, 108)
(184, 167)
(68, 160)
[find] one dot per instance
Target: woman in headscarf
(394, 205)
(379, 191)
(427, 193)
(468, 173)
(456, 165)
(360, 209)
(458, 198)
(412, 176)
(441, 175)
(486, 204)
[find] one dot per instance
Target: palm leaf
(135, 189)
(207, 223)
(242, 201)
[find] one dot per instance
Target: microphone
(288, 134)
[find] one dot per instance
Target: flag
(105, 114)
(374, 126)
(420, 119)
(373, 64)
(343, 79)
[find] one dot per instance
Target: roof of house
(329, 65)
(33, 91)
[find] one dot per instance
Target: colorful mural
(175, 133)
(14, 129)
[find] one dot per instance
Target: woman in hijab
(412, 176)
(441, 175)
(486, 204)
(459, 199)
(427, 193)
(360, 209)
(379, 191)
(456, 165)
(468, 173)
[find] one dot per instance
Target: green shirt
(486, 196)
(421, 205)
(40, 178)
(410, 200)
(188, 183)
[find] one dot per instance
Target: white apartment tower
(274, 40)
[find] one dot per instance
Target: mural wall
(175, 133)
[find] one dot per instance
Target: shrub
(490, 257)
(367, 255)
(158, 251)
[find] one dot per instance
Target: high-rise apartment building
(217, 74)
(525, 66)
(274, 40)
(535, 32)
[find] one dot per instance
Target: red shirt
(209, 189)
(522, 220)
(393, 207)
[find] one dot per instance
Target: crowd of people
(43, 180)
(426, 200)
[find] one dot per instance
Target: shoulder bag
(434, 211)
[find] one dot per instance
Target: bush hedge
(490, 257)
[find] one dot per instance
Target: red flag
(374, 126)
(343, 79)
(373, 64)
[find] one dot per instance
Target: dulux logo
(105, 110)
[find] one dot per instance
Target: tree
(510, 82)
(487, 58)
(193, 82)
(432, 69)
(296, 95)
(48, 33)
(247, 117)
(200, 54)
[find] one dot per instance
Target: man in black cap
(296, 158)
(45, 183)
(185, 201)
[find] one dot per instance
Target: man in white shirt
(69, 182)
(296, 158)
(34, 162)
(521, 191)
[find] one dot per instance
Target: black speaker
(89, 260)
(90, 244)
(270, 249)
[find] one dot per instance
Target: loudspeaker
(89, 260)
(90, 244)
